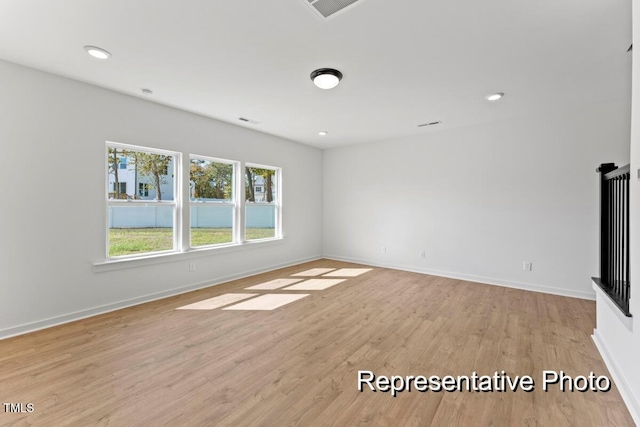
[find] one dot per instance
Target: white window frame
(277, 202)
(235, 235)
(176, 203)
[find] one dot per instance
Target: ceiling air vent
(429, 124)
(244, 119)
(327, 8)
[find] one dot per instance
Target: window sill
(151, 259)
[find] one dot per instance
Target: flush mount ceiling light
(494, 96)
(323, 133)
(97, 52)
(326, 78)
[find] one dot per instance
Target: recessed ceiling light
(323, 133)
(326, 78)
(146, 91)
(494, 96)
(97, 52)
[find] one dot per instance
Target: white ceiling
(405, 62)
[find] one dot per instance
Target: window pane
(211, 224)
(260, 221)
(143, 190)
(260, 185)
(210, 181)
(139, 229)
(155, 171)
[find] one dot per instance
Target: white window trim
(153, 258)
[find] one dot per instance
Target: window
(119, 187)
(212, 201)
(143, 190)
(141, 226)
(168, 196)
(262, 208)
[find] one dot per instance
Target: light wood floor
(154, 365)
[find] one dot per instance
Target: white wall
(618, 339)
(480, 200)
(53, 132)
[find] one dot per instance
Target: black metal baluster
(616, 209)
(614, 234)
(621, 248)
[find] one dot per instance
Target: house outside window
(119, 187)
(143, 189)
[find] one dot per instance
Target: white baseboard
(472, 278)
(633, 404)
(83, 314)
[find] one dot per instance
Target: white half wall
(53, 132)
(480, 201)
(618, 338)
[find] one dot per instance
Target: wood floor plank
(298, 364)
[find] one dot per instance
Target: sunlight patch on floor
(215, 302)
(299, 282)
(267, 302)
(275, 284)
(313, 272)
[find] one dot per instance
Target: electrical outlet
(423, 254)
(383, 250)
(192, 266)
(527, 266)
